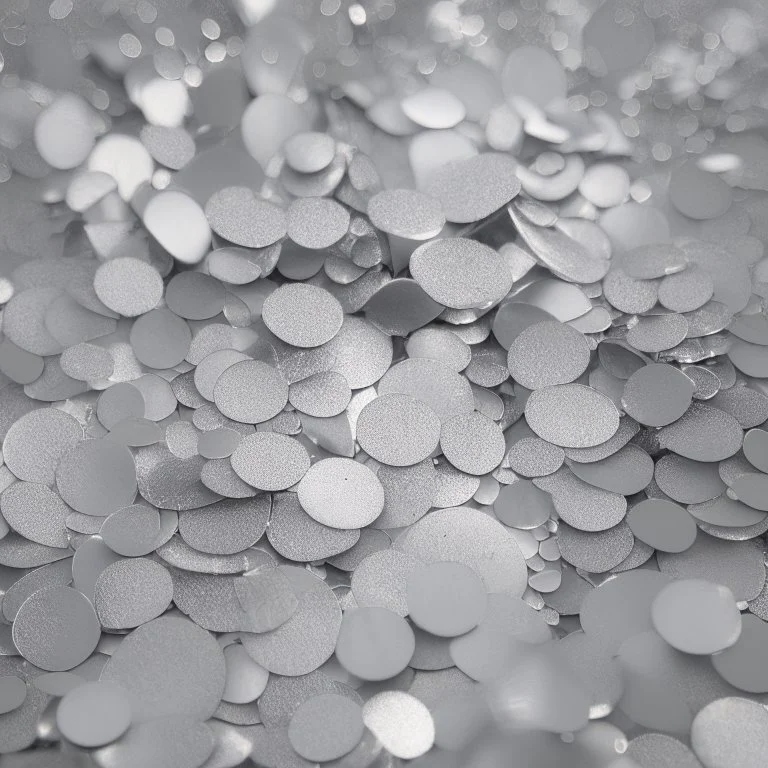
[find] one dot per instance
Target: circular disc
(97, 477)
(250, 392)
(401, 723)
(461, 273)
(657, 394)
(374, 643)
(446, 599)
(94, 714)
(548, 353)
(729, 733)
(406, 213)
(341, 493)
(302, 315)
(398, 430)
(473, 443)
(662, 525)
(269, 461)
(128, 286)
(571, 415)
(56, 629)
(696, 616)
(326, 727)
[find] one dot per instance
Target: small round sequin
(730, 732)
(406, 213)
(308, 638)
(194, 296)
(374, 643)
(571, 415)
(309, 152)
(628, 294)
(316, 222)
(56, 628)
(662, 525)
(657, 394)
(35, 443)
(686, 291)
(269, 461)
(13, 692)
(179, 224)
(596, 552)
(246, 680)
(473, 443)
(160, 681)
(94, 714)
(401, 723)
(696, 616)
(522, 505)
(131, 592)
(534, 457)
(605, 185)
(446, 599)
(302, 315)
(341, 493)
(548, 353)
(128, 286)
(658, 332)
(132, 531)
(97, 477)
(471, 188)
(237, 215)
(703, 433)
(461, 273)
(756, 448)
(36, 512)
(250, 392)
(326, 727)
(398, 430)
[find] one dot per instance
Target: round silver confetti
(341, 493)
(160, 681)
(56, 628)
(97, 477)
(548, 353)
(446, 599)
(571, 415)
(132, 592)
(657, 395)
(269, 461)
(132, 531)
(472, 188)
(317, 222)
(703, 433)
(128, 286)
(473, 443)
(94, 714)
(446, 392)
(662, 525)
(250, 392)
(686, 291)
(730, 732)
(374, 643)
(401, 723)
(326, 727)
(461, 273)
(595, 552)
(398, 430)
(237, 215)
(534, 457)
(467, 536)
(246, 680)
(36, 512)
(35, 442)
(309, 152)
(308, 638)
(406, 213)
(302, 315)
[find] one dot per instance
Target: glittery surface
(284, 287)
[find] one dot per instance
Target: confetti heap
(383, 382)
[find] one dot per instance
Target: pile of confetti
(383, 382)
